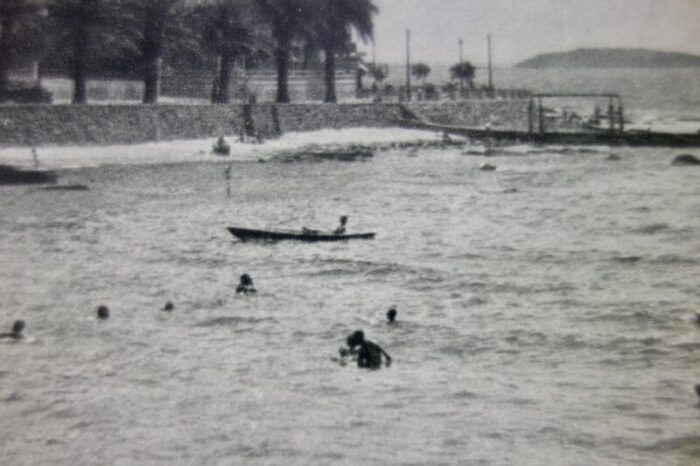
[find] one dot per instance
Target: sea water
(545, 312)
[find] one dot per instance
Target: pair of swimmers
(103, 311)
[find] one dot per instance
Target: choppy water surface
(545, 313)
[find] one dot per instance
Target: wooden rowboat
(304, 235)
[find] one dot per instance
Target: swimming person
(246, 285)
(341, 228)
(169, 306)
(391, 315)
(369, 354)
(103, 312)
(16, 333)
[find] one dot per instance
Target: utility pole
(461, 60)
(374, 53)
(408, 65)
(490, 67)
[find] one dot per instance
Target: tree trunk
(329, 73)
(282, 75)
(223, 94)
(6, 26)
(151, 80)
(282, 58)
(153, 37)
(79, 74)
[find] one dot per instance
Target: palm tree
(287, 18)
(149, 24)
(81, 21)
(19, 33)
(334, 20)
(420, 71)
(464, 71)
(227, 31)
(378, 72)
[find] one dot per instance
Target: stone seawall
(123, 124)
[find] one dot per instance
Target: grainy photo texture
(320, 232)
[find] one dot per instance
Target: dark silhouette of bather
(391, 315)
(369, 354)
(169, 306)
(103, 312)
(16, 333)
(246, 286)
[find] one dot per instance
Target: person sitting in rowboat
(16, 333)
(341, 228)
(246, 285)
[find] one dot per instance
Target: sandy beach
(56, 157)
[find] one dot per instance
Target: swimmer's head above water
(245, 286)
(103, 312)
(18, 326)
(246, 280)
(356, 338)
(169, 306)
(16, 332)
(391, 315)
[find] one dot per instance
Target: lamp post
(408, 64)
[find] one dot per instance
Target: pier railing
(543, 117)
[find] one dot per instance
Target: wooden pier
(613, 133)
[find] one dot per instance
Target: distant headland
(612, 58)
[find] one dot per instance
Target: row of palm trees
(141, 33)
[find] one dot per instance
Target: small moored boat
(304, 235)
(10, 175)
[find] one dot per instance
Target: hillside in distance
(612, 58)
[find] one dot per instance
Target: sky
(521, 29)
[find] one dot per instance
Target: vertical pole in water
(227, 173)
(611, 119)
(408, 65)
(541, 116)
(35, 157)
(530, 111)
(490, 67)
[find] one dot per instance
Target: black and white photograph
(350, 232)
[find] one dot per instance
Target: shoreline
(200, 150)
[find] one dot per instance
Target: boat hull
(246, 234)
